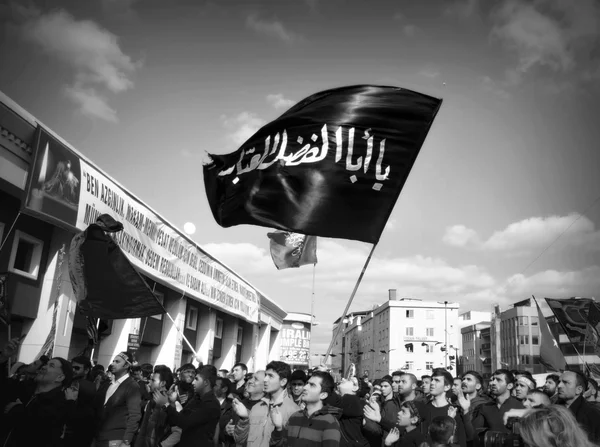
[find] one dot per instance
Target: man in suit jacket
(119, 408)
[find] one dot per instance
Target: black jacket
(588, 416)
(198, 420)
(119, 418)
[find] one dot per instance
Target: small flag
(571, 313)
(550, 354)
(333, 165)
(4, 312)
(92, 331)
(593, 323)
(292, 250)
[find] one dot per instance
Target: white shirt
(114, 386)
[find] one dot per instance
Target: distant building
(469, 319)
(476, 349)
(406, 333)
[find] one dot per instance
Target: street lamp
(445, 303)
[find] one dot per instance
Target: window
(524, 339)
(428, 365)
(409, 331)
(534, 321)
(26, 255)
(535, 340)
(409, 365)
(428, 349)
(219, 328)
(410, 314)
(409, 347)
(191, 321)
(161, 299)
(430, 332)
(240, 335)
(429, 314)
(523, 321)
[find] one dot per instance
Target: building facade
(476, 349)
(48, 193)
(401, 334)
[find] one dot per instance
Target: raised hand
(277, 418)
(372, 412)
(464, 401)
(240, 409)
(230, 427)
(452, 411)
(392, 436)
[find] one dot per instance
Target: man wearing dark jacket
(81, 422)
(223, 388)
(39, 422)
(155, 430)
(352, 392)
(571, 387)
(118, 407)
(199, 418)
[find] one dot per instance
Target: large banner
(295, 342)
(70, 192)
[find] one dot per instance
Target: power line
(561, 234)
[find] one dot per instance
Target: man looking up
(491, 415)
(352, 391)
(396, 380)
(81, 422)
(255, 426)
(550, 386)
(254, 387)
(470, 390)
(317, 424)
(571, 387)
(120, 405)
(426, 386)
(523, 386)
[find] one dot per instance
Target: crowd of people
(55, 402)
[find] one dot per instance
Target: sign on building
(295, 343)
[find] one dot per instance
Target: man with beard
(80, 425)
(119, 406)
(155, 431)
(254, 388)
(396, 380)
(200, 416)
(441, 383)
(570, 393)
(491, 415)
(185, 389)
(470, 395)
(40, 421)
(550, 386)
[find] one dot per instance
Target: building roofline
(28, 117)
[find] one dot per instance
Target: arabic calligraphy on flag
(333, 165)
(571, 313)
(290, 250)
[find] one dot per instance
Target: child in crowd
(408, 419)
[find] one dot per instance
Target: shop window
(219, 328)
(240, 335)
(191, 321)
(26, 255)
(161, 299)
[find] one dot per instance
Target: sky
(146, 88)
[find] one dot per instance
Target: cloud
(410, 30)
(91, 103)
(278, 101)
(489, 85)
(555, 284)
(272, 28)
(528, 234)
(93, 52)
(429, 72)
(242, 126)
(461, 8)
(557, 35)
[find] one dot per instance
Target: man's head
(552, 381)
(297, 381)
(57, 372)
(223, 386)
(441, 430)
(34, 367)
(407, 384)
(187, 373)
(502, 382)
(223, 373)
(426, 383)
(396, 380)
(472, 382)
(136, 372)
(318, 388)
(386, 386)
(350, 386)
(205, 379)
(441, 382)
(162, 379)
(239, 371)
(255, 384)
(81, 367)
(121, 364)
(523, 386)
(456, 385)
(572, 385)
(147, 370)
(536, 399)
(277, 376)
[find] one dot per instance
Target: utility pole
(446, 334)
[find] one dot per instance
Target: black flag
(105, 283)
(333, 165)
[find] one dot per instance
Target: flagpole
(312, 312)
(182, 334)
(97, 340)
(340, 326)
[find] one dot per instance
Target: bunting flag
(292, 250)
(105, 283)
(92, 330)
(333, 165)
(571, 313)
(4, 312)
(593, 326)
(550, 354)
